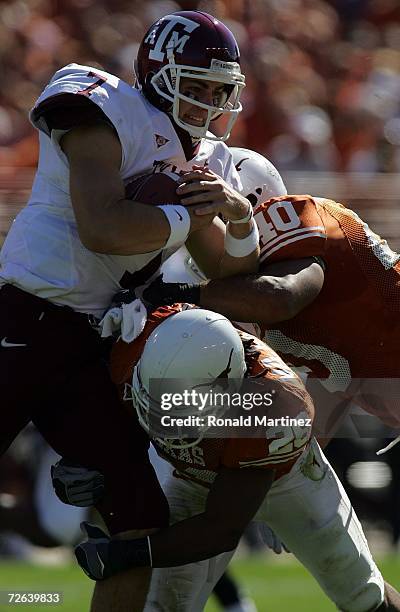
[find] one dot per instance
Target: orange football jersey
(352, 329)
(279, 445)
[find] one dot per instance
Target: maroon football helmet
(194, 45)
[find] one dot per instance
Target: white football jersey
(43, 253)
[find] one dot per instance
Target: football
(158, 188)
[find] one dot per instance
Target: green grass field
(276, 585)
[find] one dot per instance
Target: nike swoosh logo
(179, 215)
(6, 344)
(238, 166)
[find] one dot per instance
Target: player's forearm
(250, 298)
(200, 539)
(127, 228)
(230, 266)
(278, 294)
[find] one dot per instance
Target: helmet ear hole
(252, 199)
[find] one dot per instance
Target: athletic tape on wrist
(179, 222)
(245, 219)
(240, 247)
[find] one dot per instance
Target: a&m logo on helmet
(174, 35)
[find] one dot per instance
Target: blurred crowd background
(322, 102)
(323, 76)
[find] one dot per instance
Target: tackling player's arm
(291, 275)
(107, 222)
(277, 293)
(233, 500)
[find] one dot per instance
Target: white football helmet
(191, 345)
(260, 179)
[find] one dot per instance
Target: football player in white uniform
(78, 241)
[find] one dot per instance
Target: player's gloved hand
(159, 293)
(76, 485)
(269, 537)
(101, 557)
(124, 296)
(92, 554)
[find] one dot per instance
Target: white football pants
(311, 513)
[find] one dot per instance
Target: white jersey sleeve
(111, 95)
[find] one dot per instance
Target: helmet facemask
(167, 83)
(148, 408)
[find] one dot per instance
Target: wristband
(245, 219)
(179, 222)
(236, 247)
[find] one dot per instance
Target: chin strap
(384, 450)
